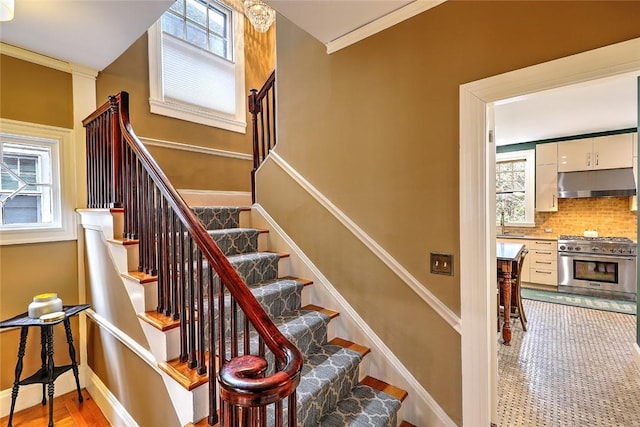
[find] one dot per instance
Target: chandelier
(260, 14)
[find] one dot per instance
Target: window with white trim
(515, 187)
(36, 198)
(196, 64)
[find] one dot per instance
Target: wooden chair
(517, 309)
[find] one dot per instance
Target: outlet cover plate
(441, 264)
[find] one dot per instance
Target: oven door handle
(591, 256)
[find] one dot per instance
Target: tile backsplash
(609, 216)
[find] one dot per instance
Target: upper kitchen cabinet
(604, 152)
(547, 177)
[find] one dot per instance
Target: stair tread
(159, 320)
(384, 387)
(124, 241)
(406, 424)
(305, 282)
(358, 408)
(140, 277)
(350, 345)
(185, 376)
(311, 307)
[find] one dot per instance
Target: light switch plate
(441, 264)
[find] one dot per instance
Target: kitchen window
(196, 64)
(36, 194)
(515, 188)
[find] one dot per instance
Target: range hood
(596, 183)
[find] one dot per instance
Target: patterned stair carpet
(329, 393)
(617, 306)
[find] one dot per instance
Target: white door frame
(477, 216)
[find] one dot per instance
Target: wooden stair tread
(332, 314)
(351, 346)
(140, 277)
(305, 282)
(159, 320)
(123, 241)
(406, 424)
(379, 385)
(185, 376)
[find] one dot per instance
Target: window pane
(23, 210)
(196, 35)
(173, 25)
(218, 46)
(197, 12)
(30, 163)
(217, 22)
(178, 7)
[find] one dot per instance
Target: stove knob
(562, 247)
(595, 249)
(569, 248)
(578, 248)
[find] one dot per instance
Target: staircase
(332, 390)
(223, 319)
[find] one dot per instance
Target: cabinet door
(547, 154)
(546, 188)
(613, 151)
(575, 155)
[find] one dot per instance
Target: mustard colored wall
(35, 94)
(25, 271)
(130, 72)
(375, 128)
(134, 383)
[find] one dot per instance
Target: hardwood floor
(67, 412)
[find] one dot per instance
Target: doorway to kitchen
(477, 217)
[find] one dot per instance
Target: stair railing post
(115, 148)
(254, 109)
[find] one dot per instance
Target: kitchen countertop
(545, 236)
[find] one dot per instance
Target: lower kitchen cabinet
(543, 262)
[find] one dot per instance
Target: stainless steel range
(598, 266)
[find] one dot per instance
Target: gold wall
(375, 128)
(185, 169)
(36, 94)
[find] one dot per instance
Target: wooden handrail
(171, 238)
(262, 106)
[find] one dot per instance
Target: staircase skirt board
(329, 392)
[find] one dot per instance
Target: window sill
(195, 115)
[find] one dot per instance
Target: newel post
(115, 153)
(254, 109)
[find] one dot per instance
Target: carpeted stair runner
(329, 393)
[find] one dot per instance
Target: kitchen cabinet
(543, 262)
(547, 177)
(603, 152)
(525, 265)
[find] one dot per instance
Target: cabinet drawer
(544, 263)
(543, 276)
(549, 245)
(543, 254)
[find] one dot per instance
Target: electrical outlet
(441, 264)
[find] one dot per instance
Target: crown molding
(380, 24)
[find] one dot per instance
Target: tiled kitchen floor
(574, 367)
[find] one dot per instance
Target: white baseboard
(107, 402)
(420, 408)
(31, 395)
